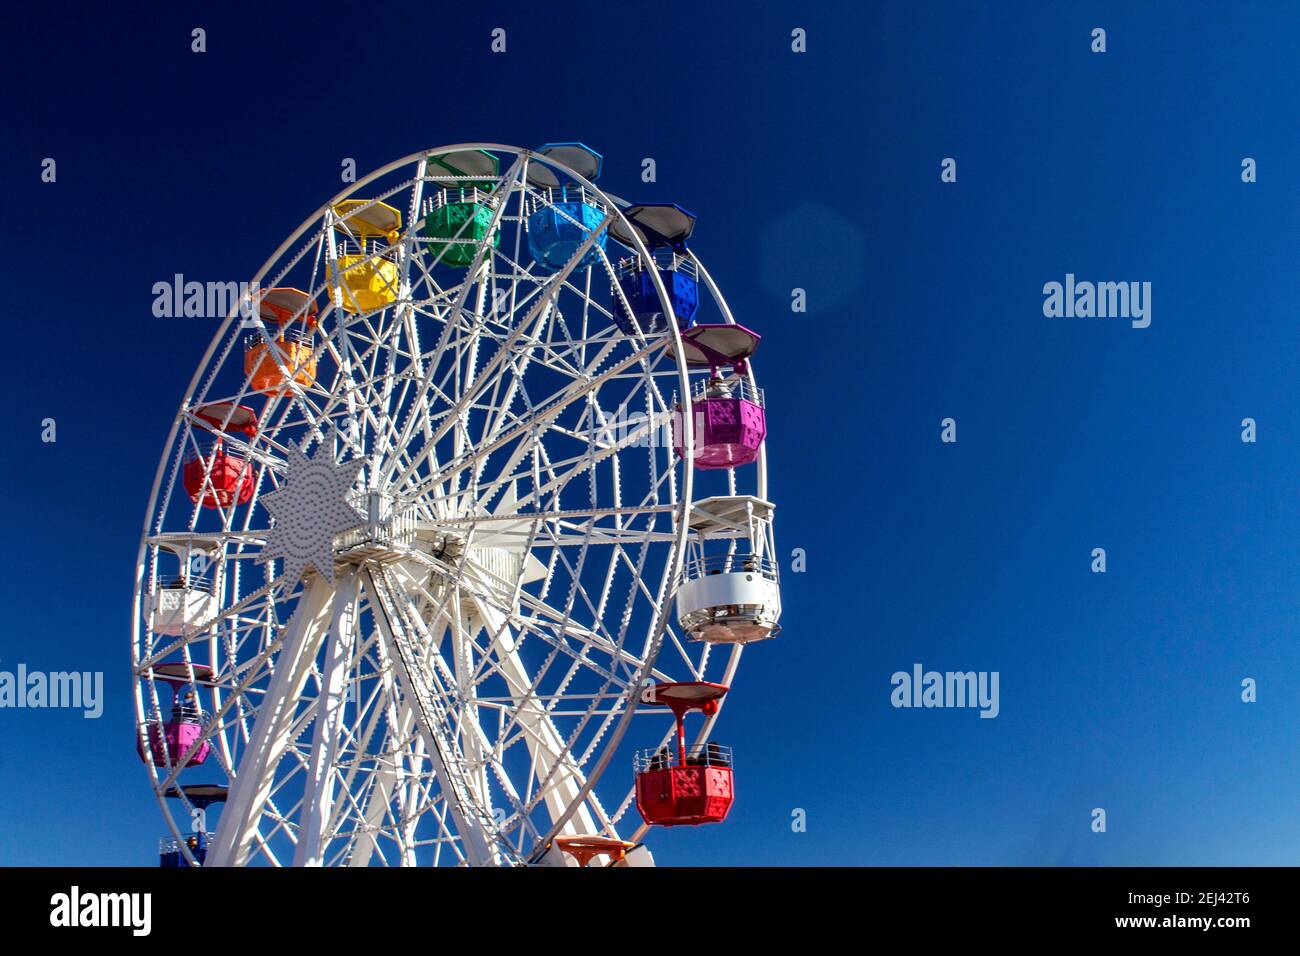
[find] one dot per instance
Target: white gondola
(174, 609)
(187, 599)
(730, 591)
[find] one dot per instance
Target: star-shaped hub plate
(310, 509)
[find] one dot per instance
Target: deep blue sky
(818, 170)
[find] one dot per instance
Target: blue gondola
(563, 213)
(664, 228)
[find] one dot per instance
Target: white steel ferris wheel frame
(330, 614)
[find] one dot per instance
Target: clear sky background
(818, 170)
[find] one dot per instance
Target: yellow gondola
(368, 276)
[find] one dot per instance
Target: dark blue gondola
(664, 228)
(201, 796)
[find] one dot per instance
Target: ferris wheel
(463, 514)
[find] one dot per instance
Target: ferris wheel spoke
(408, 248)
(517, 523)
(378, 818)
(592, 641)
(538, 423)
(495, 401)
(560, 779)
(582, 377)
(576, 467)
(535, 314)
(591, 608)
(459, 307)
(518, 367)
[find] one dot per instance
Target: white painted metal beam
(318, 797)
(243, 811)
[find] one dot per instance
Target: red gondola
(693, 786)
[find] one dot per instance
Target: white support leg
(247, 798)
(318, 797)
